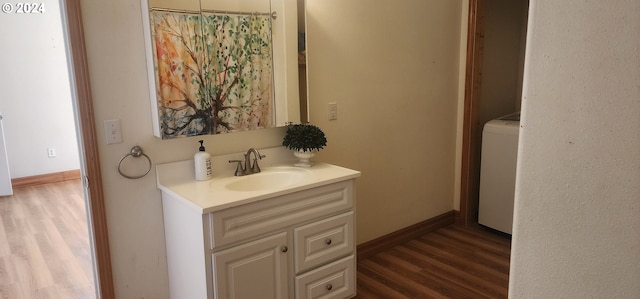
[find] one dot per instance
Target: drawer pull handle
(284, 249)
(329, 287)
(327, 241)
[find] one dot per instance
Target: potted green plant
(304, 140)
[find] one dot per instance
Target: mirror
(221, 66)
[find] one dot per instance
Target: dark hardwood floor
(451, 262)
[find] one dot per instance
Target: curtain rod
(174, 10)
(272, 14)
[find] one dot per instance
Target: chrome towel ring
(136, 152)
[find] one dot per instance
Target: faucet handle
(239, 168)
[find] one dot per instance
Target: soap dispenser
(202, 161)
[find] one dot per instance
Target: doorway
(44, 161)
(38, 118)
(495, 61)
(88, 149)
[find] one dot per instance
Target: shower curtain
(239, 70)
(177, 44)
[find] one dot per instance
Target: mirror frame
(285, 65)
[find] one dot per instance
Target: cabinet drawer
(255, 219)
(323, 241)
(336, 280)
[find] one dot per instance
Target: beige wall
(392, 68)
(577, 224)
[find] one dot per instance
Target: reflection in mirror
(302, 61)
(220, 66)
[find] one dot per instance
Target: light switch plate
(333, 111)
(112, 131)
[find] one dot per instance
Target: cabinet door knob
(329, 287)
(284, 249)
(328, 241)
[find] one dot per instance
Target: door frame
(6, 187)
(471, 130)
(92, 179)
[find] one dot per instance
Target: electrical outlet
(51, 152)
(333, 111)
(112, 131)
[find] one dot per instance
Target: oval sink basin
(274, 178)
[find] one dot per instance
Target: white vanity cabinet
(297, 244)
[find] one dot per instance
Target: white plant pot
(304, 158)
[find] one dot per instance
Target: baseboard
(458, 219)
(372, 247)
(46, 178)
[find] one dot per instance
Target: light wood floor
(44, 243)
(452, 262)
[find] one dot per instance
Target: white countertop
(178, 180)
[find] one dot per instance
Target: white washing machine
(498, 172)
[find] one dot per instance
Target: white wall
(577, 224)
(36, 99)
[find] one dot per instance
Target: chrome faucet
(248, 167)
